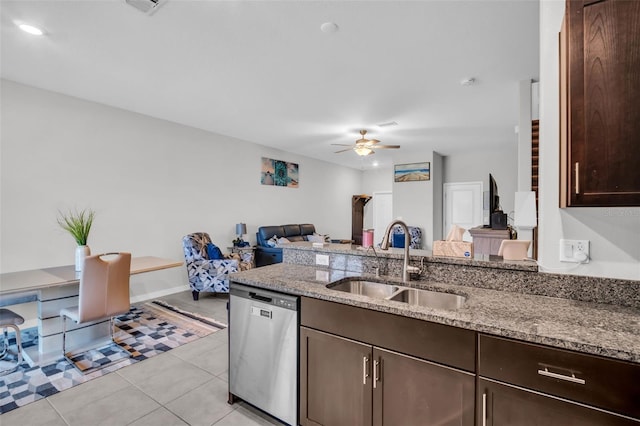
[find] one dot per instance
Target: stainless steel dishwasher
(263, 349)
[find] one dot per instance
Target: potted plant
(78, 224)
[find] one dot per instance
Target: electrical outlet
(576, 251)
(322, 259)
(322, 276)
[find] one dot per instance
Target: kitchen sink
(366, 288)
(397, 293)
(431, 299)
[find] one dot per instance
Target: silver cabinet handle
(572, 378)
(365, 370)
(484, 409)
(375, 372)
(577, 170)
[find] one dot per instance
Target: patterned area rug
(149, 329)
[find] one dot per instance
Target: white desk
(57, 288)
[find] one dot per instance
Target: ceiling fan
(365, 146)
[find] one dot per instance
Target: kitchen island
(596, 328)
(507, 318)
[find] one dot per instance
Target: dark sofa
(266, 255)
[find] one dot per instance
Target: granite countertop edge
(598, 329)
(481, 261)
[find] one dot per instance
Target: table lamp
(241, 229)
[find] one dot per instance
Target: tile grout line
(57, 411)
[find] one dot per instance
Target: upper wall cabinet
(600, 103)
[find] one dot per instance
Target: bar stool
(9, 318)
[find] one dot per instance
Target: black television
(498, 218)
(494, 199)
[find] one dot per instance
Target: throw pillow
(316, 238)
(273, 241)
(213, 252)
(283, 240)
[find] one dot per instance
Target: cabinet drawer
(600, 382)
(444, 344)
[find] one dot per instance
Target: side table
(487, 240)
(247, 254)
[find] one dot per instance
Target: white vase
(81, 253)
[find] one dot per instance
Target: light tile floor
(185, 386)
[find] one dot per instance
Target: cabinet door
(503, 405)
(409, 391)
(603, 97)
(335, 382)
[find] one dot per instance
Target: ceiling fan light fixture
(363, 150)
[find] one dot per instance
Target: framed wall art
(412, 172)
(279, 173)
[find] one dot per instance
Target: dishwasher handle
(256, 296)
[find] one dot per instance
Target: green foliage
(78, 224)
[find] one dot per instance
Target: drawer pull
(375, 372)
(365, 370)
(572, 378)
(484, 409)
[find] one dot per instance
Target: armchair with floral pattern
(398, 237)
(206, 274)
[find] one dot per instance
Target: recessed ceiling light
(470, 81)
(329, 27)
(30, 29)
(374, 164)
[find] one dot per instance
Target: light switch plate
(575, 251)
(322, 259)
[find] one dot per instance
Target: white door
(462, 206)
(382, 214)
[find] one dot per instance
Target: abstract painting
(279, 173)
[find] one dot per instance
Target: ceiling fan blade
(342, 144)
(373, 141)
(343, 150)
(387, 146)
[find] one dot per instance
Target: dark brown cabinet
(529, 384)
(504, 405)
(410, 391)
(335, 383)
(600, 103)
(345, 382)
(364, 367)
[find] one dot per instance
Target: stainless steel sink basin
(397, 293)
(366, 288)
(431, 299)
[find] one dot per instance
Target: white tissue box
(453, 249)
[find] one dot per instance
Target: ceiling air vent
(146, 6)
(388, 124)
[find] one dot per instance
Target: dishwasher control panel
(286, 304)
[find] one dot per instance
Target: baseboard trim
(159, 293)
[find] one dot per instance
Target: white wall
(413, 201)
(614, 232)
(376, 180)
(475, 166)
(437, 164)
(150, 182)
(524, 136)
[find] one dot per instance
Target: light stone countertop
(600, 329)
